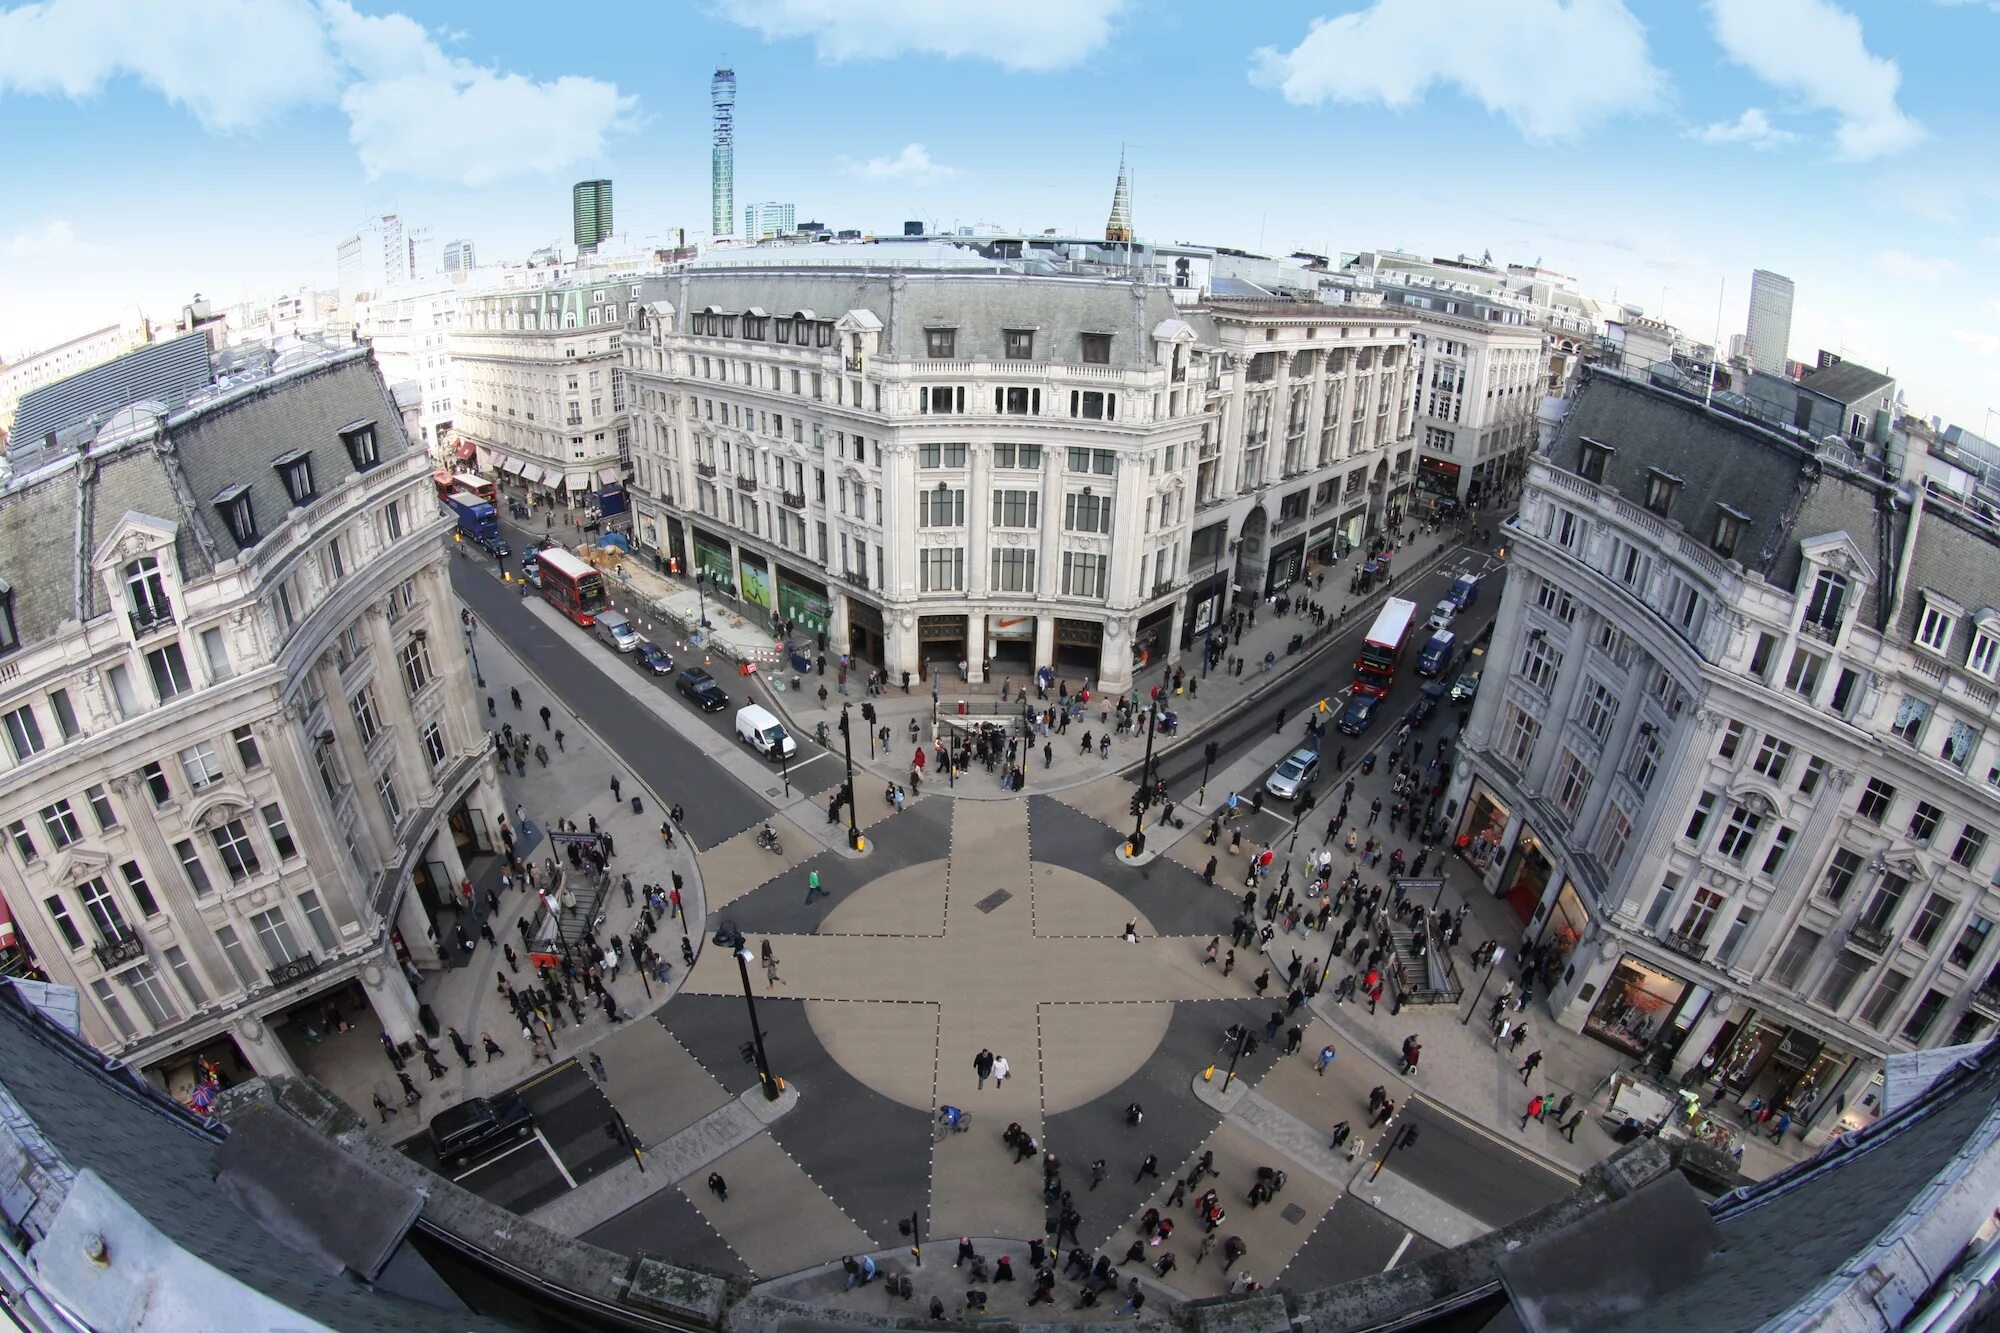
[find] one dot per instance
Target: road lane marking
(568, 1179)
(496, 1157)
(547, 1074)
(1395, 1258)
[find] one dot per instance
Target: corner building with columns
(933, 456)
(242, 765)
(1735, 760)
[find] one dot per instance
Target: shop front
(672, 554)
(941, 646)
(1287, 557)
(803, 604)
(1481, 832)
(1010, 646)
(1350, 530)
(1205, 603)
(1636, 1004)
(1563, 929)
(1079, 647)
(866, 640)
(1322, 544)
(1526, 877)
(714, 564)
(1436, 477)
(1767, 1061)
(1149, 641)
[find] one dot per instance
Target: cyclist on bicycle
(950, 1116)
(768, 836)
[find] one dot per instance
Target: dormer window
(234, 506)
(1596, 458)
(296, 470)
(1095, 349)
(1984, 659)
(1661, 488)
(1020, 344)
(1935, 625)
(940, 344)
(359, 437)
(10, 638)
(146, 594)
(1729, 526)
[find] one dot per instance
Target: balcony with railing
(745, 482)
(1987, 999)
(118, 951)
(704, 469)
(150, 614)
(1874, 939)
(1687, 946)
(296, 970)
(854, 576)
(795, 500)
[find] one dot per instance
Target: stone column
(262, 1047)
(171, 886)
(418, 936)
(1703, 1032)
(1045, 640)
(975, 645)
(312, 826)
(1173, 653)
(377, 840)
(393, 696)
(389, 994)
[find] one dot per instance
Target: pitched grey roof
(233, 440)
(166, 372)
(1846, 382)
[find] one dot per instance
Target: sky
(1656, 151)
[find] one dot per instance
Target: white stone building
(241, 764)
(1736, 757)
(933, 456)
(536, 385)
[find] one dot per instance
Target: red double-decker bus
(448, 483)
(571, 586)
(1375, 668)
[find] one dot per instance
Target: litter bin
(961, 708)
(429, 1019)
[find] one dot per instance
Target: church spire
(1118, 227)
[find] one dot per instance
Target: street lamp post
(1145, 776)
(1403, 1138)
(847, 746)
(785, 767)
(1208, 754)
(1480, 994)
(1242, 1036)
(472, 647)
(700, 591)
(756, 1032)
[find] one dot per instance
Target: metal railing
(117, 952)
(1872, 938)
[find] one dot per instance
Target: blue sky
(1656, 151)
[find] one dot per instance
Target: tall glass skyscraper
(1769, 341)
(722, 204)
(590, 203)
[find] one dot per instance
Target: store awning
(535, 474)
(577, 481)
(609, 476)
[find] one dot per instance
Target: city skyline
(1857, 145)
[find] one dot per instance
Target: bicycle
(767, 838)
(950, 1120)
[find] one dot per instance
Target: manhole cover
(993, 900)
(1293, 1214)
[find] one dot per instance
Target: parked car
(649, 656)
(477, 1126)
(700, 687)
(1359, 714)
(1300, 769)
(1466, 688)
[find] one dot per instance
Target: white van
(616, 631)
(763, 733)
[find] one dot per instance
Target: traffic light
(748, 1050)
(1210, 751)
(867, 711)
(1136, 804)
(1409, 1136)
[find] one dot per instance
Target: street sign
(1418, 885)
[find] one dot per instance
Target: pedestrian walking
(545, 716)
(718, 1186)
(597, 1068)
(813, 889)
(1534, 1111)
(491, 1046)
(1001, 1069)
(462, 1046)
(770, 961)
(1529, 1066)
(614, 788)
(1149, 1167)
(1098, 1171)
(559, 739)
(1326, 1057)
(538, 1049)
(1569, 1128)
(410, 1094)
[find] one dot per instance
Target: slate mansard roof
(1786, 494)
(54, 519)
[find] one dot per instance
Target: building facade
(722, 152)
(590, 209)
(460, 256)
(1736, 759)
(766, 220)
(934, 462)
(242, 763)
(1768, 340)
(537, 392)
(33, 371)
(383, 254)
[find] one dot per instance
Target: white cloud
(1814, 50)
(416, 111)
(1753, 129)
(240, 64)
(54, 241)
(1915, 268)
(1986, 344)
(912, 164)
(1036, 36)
(1394, 51)
(1991, 245)
(234, 64)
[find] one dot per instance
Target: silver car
(1298, 771)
